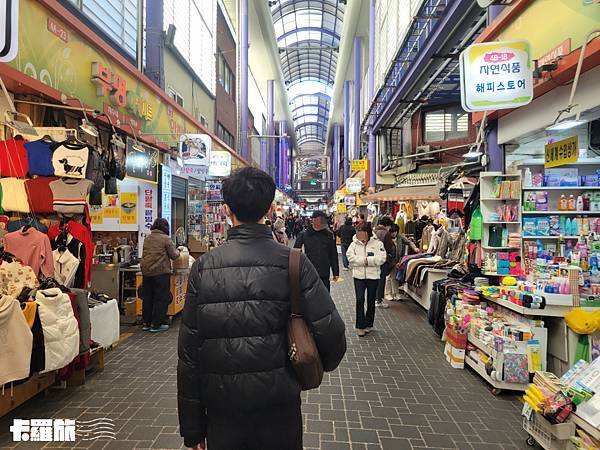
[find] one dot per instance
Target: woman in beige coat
(158, 252)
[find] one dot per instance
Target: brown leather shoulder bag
(303, 351)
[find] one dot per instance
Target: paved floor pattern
(394, 390)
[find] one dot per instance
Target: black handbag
(117, 167)
(110, 186)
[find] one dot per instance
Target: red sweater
(13, 158)
(39, 194)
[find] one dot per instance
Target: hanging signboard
(341, 208)
(220, 164)
(9, 29)
(142, 162)
(561, 152)
(166, 190)
(496, 75)
(350, 200)
(195, 149)
(359, 164)
(353, 185)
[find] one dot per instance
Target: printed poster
(129, 208)
(111, 206)
(96, 214)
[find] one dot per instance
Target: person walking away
(392, 291)
(279, 231)
(346, 234)
(383, 234)
(236, 387)
(158, 251)
(366, 255)
(320, 248)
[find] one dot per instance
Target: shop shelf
(549, 436)
(493, 199)
(487, 247)
(562, 188)
(548, 311)
(561, 213)
(512, 222)
(581, 162)
(496, 384)
(585, 426)
(499, 174)
(530, 238)
(482, 346)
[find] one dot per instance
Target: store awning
(429, 192)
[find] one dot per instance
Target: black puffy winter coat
(232, 341)
(321, 250)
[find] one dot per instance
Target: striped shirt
(69, 195)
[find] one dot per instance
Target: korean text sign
(561, 152)
(496, 75)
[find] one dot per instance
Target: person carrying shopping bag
(366, 255)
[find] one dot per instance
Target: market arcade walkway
(394, 390)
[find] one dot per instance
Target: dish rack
(549, 436)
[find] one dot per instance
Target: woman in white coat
(366, 255)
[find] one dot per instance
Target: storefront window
(446, 123)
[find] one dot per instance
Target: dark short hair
(395, 228)
(385, 221)
(162, 225)
(365, 227)
(249, 193)
(348, 221)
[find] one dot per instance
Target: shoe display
(159, 329)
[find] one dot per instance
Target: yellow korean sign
(129, 206)
(96, 214)
(339, 196)
(561, 152)
(111, 206)
(359, 164)
(341, 208)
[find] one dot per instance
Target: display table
(421, 295)
(105, 323)
(179, 282)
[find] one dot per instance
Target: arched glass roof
(308, 36)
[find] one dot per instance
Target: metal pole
(346, 129)
(336, 157)
(280, 154)
(495, 154)
(357, 96)
(140, 35)
(371, 94)
(270, 126)
(154, 42)
(244, 79)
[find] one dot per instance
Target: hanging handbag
(117, 167)
(303, 351)
(110, 186)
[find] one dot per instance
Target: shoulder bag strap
(294, 274)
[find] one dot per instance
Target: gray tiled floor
(394, 390)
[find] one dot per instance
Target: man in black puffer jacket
(236, 386)
(320, 248)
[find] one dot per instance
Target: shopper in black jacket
(346, 234)
(319, 246)
(236, 387)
